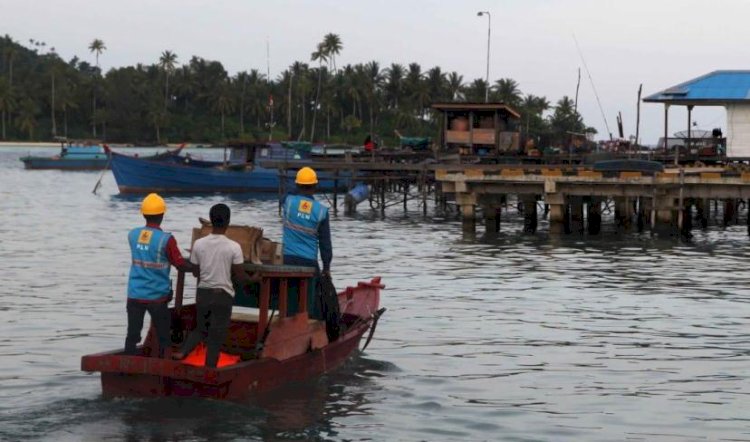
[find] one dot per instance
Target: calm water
(515, 338)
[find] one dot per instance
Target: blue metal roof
(717, 87)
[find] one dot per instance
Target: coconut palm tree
(455, 86)
(532, 108)
(66, 99)
(96, 47)
(320, 55)
(475, 91)
(222, 101)
(26, 119)
(506, 91)
(10, 51)
(7, 102)
(333, 47)
(167, 62)
(394, 79)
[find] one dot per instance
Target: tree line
(43, 96)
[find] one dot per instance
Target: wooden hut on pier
(478, 129)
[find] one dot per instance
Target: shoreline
(113, 145)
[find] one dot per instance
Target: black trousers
(159, 312)
(214, 312)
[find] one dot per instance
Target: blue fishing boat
(240, 172)
(71, 157)
(85, 157)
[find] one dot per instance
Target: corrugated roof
(460, 106)
(715, 88)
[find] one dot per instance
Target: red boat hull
(139, 376)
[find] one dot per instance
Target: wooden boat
(239, 173)
(84, 157)
(263, 349)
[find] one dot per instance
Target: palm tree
(333, 47)
(158, 117)
(55, 68)
(373, 80)
(10, 53)
(167, 62)
(26, 119)
(320, 55)
(565, 119)
(475, 92)
(66, 99)
(394, 78)
(97, 47)
(7, 101)
(533, 106)
(222, 101)
(455, 86)
(506, 91)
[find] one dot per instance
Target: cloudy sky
(625, 42)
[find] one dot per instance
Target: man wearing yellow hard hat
(149, 286)
(306, 225)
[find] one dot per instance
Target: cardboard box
(255, 248)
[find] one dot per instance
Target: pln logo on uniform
(305, 206)
(145, 237)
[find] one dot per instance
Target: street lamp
(487, 78)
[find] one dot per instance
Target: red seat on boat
(198, 357)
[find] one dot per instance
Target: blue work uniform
(149, 269)
(149, 286)
(306, 230)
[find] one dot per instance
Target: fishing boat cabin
(478, 129)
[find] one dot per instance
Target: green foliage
(198, 101)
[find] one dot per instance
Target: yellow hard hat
(306, 176)
(153, 204)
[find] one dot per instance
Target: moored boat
(239, 173)
(264, 349)
(71, 157)
(84, 157)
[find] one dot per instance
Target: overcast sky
(659, 43)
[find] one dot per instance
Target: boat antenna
(596, 94)
(578, 86)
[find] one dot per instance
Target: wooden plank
(630, 174)
(710, 175)
(589, 174)
(745, 176)
(473, 173)
(512, 172)
(551, 172)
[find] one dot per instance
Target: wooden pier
(573, 195)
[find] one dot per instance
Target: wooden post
(179, 291)
(405, 185)
(336, 192)
(283, 297)
(265, 297)
(302, 295)
(382, 197)
(425, 191)
(594, 209)
(468, 220)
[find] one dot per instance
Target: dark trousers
(314, 309)
(214, 312)
(159, 312)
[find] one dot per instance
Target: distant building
(482, 129)
(730, 89)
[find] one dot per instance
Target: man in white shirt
(218, 258)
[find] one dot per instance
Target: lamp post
(487, 77)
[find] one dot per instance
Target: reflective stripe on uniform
(299, 228)
(150, 264)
